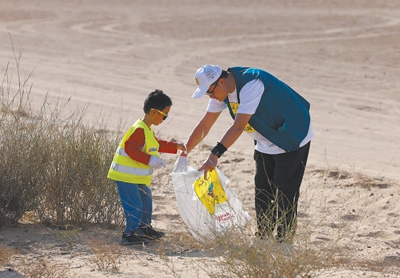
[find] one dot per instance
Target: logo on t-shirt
(235, 106)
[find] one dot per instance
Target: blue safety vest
(282, 116)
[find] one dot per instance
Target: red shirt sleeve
(134, 147)
(167, 147)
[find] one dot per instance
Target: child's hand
(156, 162)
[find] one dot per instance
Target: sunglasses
(161, 112)
(212, 92)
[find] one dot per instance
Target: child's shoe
(150, 232)
(133, 238)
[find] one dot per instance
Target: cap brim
(199, 93)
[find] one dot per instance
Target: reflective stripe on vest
(125, 169)
(130, 170)
(121, 152)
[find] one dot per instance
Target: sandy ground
(343, 56)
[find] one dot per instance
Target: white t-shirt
(250, 97)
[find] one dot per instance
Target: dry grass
(237, 254)
(52, 165)
(53, 170)
(6, 253)
(106, 256)
(42, 268)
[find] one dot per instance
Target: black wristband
(218, 150)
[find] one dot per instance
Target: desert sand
(342, 56)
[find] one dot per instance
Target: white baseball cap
(205, 76)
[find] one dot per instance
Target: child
(132, 168)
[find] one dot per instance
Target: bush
(55, 167)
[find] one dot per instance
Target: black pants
(277, 188)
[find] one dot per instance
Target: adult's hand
(209, 164)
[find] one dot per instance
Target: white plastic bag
(206, 207)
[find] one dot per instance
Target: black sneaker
(150, 232)
(133, 238)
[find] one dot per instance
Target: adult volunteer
(278, 120)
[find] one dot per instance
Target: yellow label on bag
(210, 191)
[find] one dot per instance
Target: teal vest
(282, 116)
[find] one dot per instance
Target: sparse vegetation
(106, 256)
(50, 165)
(43, 268)
(53, 170)
(5, 254)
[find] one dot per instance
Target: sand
(343, 56)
